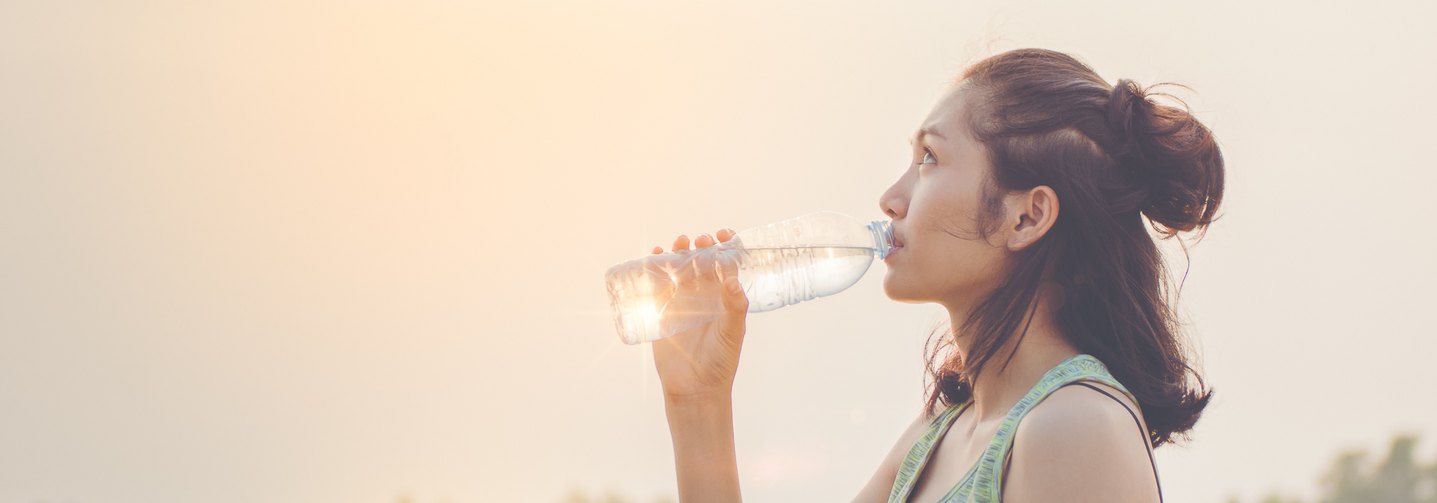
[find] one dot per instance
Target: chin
(900, 291)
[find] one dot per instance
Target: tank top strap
(918, 455)
(988, 476)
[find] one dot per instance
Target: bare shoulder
(1081, 445)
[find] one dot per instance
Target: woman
(1022, 214)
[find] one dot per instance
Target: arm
(697, 368)
(704, 455)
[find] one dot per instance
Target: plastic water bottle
(779, 264)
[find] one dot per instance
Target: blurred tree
(1277, 498)
(1399, 478)
(575, 496)
(1396, 480)
(1345, 481)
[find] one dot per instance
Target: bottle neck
(882, 237)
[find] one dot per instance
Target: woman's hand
(701, 361)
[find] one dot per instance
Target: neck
(997, 388)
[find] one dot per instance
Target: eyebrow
(930, 130)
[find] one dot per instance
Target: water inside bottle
(772, 278)
(781, 276)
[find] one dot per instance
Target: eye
(928, 157)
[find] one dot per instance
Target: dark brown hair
(1112, 154)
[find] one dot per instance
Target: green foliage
(1398, 478)
(1274, 498)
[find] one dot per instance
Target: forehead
(948, 119)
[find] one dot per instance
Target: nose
(894, 202)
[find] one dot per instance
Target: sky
(353, 251)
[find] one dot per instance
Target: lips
(897, 244)
(892, 252)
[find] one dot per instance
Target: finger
(725, 234)
(658, 250)
(701, 264)
(728, 268)
(682, 243)
(735, 303)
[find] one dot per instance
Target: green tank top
(983, 482)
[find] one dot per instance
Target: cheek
(945, 203)
(943, 224)
(944, 260)
(944, 247)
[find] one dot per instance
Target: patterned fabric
(983, 481)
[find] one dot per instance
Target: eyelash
(929, 153)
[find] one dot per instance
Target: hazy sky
(353, 251)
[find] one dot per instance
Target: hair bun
(1124, 97)
(1168, 154)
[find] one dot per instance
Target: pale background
(353, 251)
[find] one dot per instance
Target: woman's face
(936, 208)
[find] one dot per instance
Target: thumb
(735, 301)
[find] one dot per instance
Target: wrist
(697, 399)
(705, 458)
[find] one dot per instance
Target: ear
(1031, 214)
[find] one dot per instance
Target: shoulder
(1080, 445)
